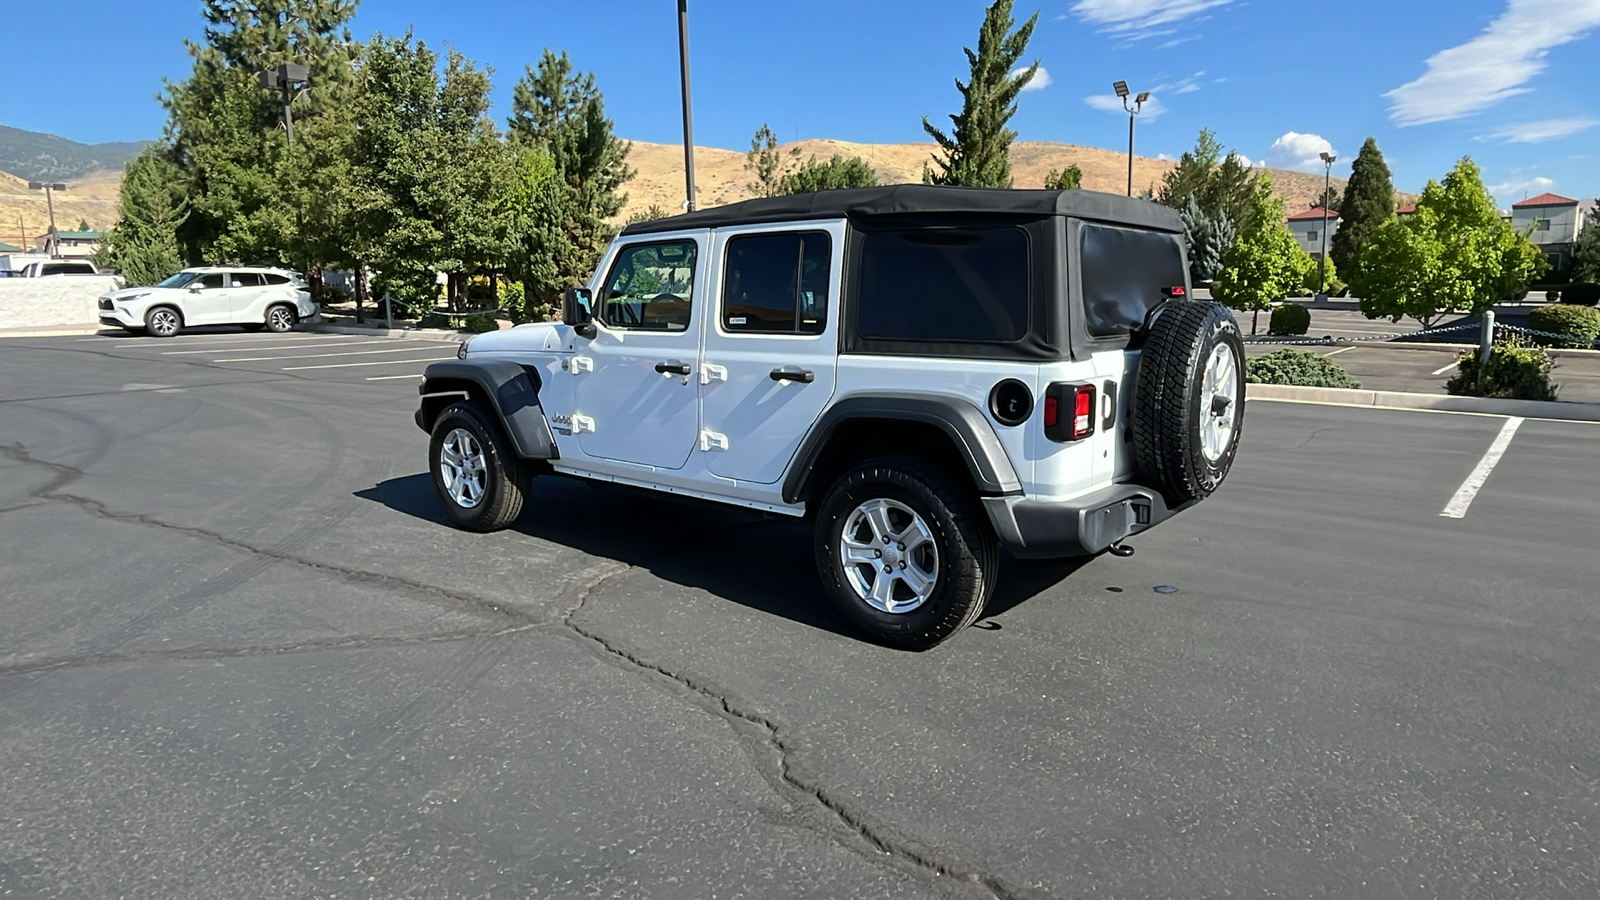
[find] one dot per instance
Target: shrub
(1290, 318)
(1582, 293)
(480, 323)
(1298, 367)
(1582, 322)
(1514, 370)
(331, 295)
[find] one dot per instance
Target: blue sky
(1510, 82)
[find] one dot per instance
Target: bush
(1582, 293)
(480, 323)
(1298, 367)
(331, 295)
(1582, 322)
(1288, 319)
(1514, 370)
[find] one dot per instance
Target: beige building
(71, 244)
(1553, 223)
(1307, 229)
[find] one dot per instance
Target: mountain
(34, 156)
(23, 215)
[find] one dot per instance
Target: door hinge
(710, 440)
(579, 364)
(581, 424)
(710, 373)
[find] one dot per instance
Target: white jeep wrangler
(930, 373)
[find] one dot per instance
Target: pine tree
(1208, 238)
(1367, 203)
(143, 245)
(767, 163)
(838, 173)
(1328, 198)
(1223, 186)
(1586, 255)
(975, 153)
(1068, 179)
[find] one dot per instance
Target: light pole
(49, 187)
(1121, 87)
(285, 77)
(1328, 160)
(688, 117)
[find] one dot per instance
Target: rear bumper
(1083, 526)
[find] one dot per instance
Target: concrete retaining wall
(60, 301)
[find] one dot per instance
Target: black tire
(163, 321)
(1173, 404)
(965, 570)
(280, 318)
(502, 483)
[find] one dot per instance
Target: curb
(414, 333)
(1488, 406)
(51, 331)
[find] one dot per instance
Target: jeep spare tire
(1188, 405)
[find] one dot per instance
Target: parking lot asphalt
(244, 654)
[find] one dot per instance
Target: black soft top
(933, 201)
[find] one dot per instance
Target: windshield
(179, 280)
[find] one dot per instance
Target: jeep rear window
(1124, 271)
(777, 283)
(957, 285)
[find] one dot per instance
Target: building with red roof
(1306, 226)
(1553, 223)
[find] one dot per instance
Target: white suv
(274, 299)
(929, 373)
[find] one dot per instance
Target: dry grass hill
(720, 175)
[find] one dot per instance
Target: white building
(1307, 229)
(1553, 223)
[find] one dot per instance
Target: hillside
(23, 216)
(35, 156)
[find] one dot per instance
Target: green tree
(561, 112)
(83, 225)
(1068, 179)
(1586, 255)
(975, 153)
(837, 173)
(1328, 198)
(1222, 185)
(1368, 202)
(143, 245)
(767, 163)
(1453, 254)
(1208, 238)
(1266, 262)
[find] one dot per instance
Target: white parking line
(1339, 351)
(1445, 369)
(297, 346)
(1457, 507)
(391, 377)
(316, 355)
(387, 362)
(197, 340)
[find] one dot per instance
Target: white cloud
(1540, 131)
(1509, 192)
(1153, 107)
(1041, 78)
(1494, 65)
(1139, 19)
(1297, 151)
(1246, 160)
(1165, 157)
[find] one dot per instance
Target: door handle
(672, 367)
(790, 373)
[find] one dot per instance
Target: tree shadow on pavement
(761, 561)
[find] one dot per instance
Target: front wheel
(163, 321)
(904, 555)
(477, 477)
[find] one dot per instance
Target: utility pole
(1121, 87)
(688, 117)
(1327, 188)
(53, 242)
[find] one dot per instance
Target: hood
(125, 293)
(532, 336)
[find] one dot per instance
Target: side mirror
(194, 288)
(577, 310)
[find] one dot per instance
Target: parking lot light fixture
(284, 78)
(1328, 159)
(53, 242)
(1121, 87)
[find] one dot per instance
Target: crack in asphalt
(733, 709)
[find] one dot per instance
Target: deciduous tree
(975, 152)
(1068, 179)
(1266, 262)
(837, 173)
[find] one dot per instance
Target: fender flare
(967, 427)
(512, 391)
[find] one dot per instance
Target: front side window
(178, 280)
(209, 281)
(650, 287)
(777, 283)
(957, 285)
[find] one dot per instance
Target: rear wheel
(1189, 401)
(478, 478)
(280, 319)
(904, 555)
(163, 321)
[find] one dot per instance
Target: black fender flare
(971, 432)
(512, 391)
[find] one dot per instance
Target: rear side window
(275, 279)
(1124, 271)
(777, 283)
(955, 285)
(247, 279)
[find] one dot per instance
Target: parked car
(928, 373)
(50, 268)
(274, 299)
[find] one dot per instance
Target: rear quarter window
(1124, 270)
(945, 285)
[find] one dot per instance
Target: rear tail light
(1080, 400)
